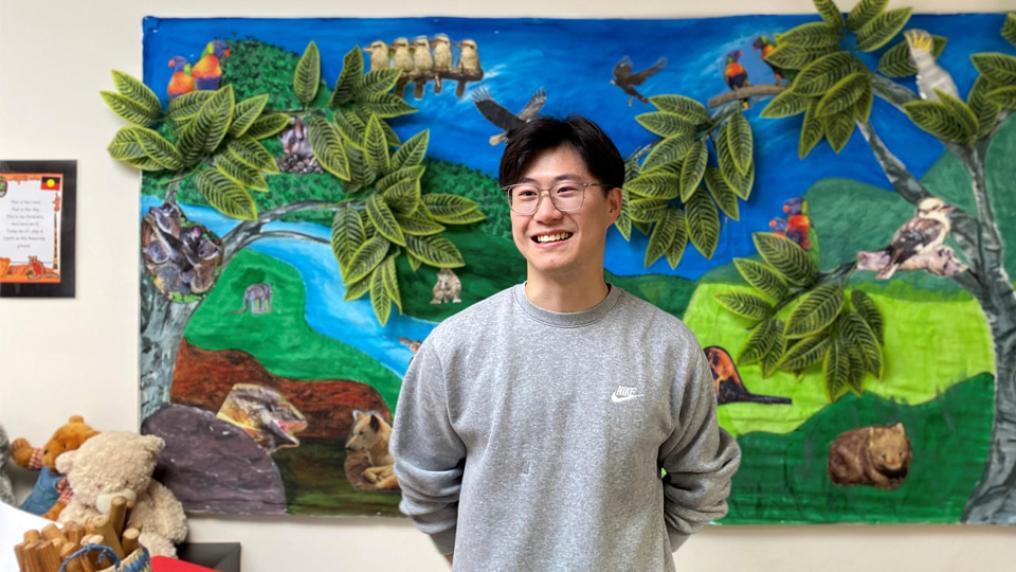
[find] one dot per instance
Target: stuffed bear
(48, 497)
(119, 463)
(6, 490)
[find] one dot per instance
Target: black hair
(598, 152)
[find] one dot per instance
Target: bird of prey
(736, 75)
(930, 75)
(923, 233)
(501, 117)
(626, 80)
(728, 383)
(765, 45)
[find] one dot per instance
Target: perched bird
(208, 71)
(923, 233)
(736, 75)
(413, 345)
(626, 80)
(181, 81)
(442, 58)
(378, 51)
(403, 59)
(727, 381)
(764, 45)
(469, 64)
(930, 75)
(501, 117)
(798, 221)
(423, 64)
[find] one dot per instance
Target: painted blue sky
(572, 60)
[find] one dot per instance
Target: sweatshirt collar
(566, 319)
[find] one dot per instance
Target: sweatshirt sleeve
(428, 453)
(699, 457)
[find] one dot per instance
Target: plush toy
(6, 490)
(119, 463)
(49, 496)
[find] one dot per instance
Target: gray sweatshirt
(526, 439)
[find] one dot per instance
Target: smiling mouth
(554, 237)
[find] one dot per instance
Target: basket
(137, 561)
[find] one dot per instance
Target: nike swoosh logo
(619, 399)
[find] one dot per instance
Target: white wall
(59, 357)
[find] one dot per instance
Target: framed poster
(37, 201)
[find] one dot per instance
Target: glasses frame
(583, 185)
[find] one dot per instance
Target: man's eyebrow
(562, 177)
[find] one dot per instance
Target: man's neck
(566, 294)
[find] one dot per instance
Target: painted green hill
(918, 366)
(783, 478)
(282, 341)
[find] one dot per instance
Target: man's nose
(546, 210)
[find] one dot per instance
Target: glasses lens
(523, 198)
(567, 196)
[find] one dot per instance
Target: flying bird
(930, 75)
(181, 81)
(736, 75)
(923, 233)
(727, 381)
(501, 117)
(765, 45)
(626, 80)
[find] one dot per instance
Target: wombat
(878, 456)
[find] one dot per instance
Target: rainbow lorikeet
(208, 71)
(181, 81)
(766, 46)
(736, 75)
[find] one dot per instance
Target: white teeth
(552, 237)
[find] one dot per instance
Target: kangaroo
(257, 298)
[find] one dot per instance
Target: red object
(163, 564)
(51, 182)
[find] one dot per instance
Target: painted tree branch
(965, 227)
(291, 234)
(241, 235)
(745, 93)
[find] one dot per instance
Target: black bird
(626, 80)
(500, 116)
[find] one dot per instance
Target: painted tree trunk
(994, 499)
(162, 326)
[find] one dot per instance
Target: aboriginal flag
(51, 182)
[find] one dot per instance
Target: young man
(532, 426)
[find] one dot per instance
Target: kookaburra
(378, 51)
(469, 64)
(930, 75)
(423, 64)
(923, 233)
(442, 58)
(403, 59)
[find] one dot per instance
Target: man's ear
(614, 199)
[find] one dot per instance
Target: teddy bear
(6, 490)
(48, 497)
(121, 463)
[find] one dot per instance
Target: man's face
(577, 239)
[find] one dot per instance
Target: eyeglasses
(566, 196)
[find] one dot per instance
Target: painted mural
(821, 198)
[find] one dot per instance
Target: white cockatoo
(930, 75)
